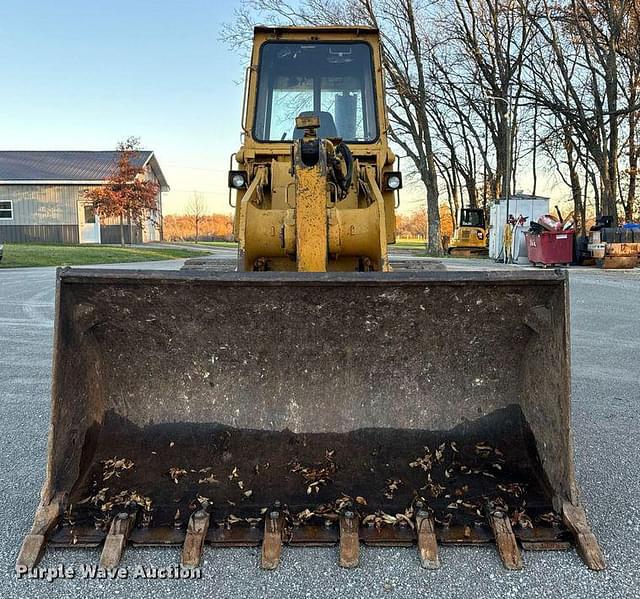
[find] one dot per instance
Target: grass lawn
(32, 254)
(220, 244)
(410, 244)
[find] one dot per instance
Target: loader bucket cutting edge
(241, 408)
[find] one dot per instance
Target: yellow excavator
(470, 235)
(311, 397)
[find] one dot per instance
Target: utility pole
(506, 179)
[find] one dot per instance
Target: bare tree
(197, 210)
(491, 40)
(574, 73)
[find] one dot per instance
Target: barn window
(6, 210)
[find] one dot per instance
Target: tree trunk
(428, 169)
(612, 105)
(121, 230)
(576, 188)
(633, 151)
(534, 158)
(502, 176)
(434, 243)
(472, 191)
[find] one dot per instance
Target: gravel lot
(606, 404)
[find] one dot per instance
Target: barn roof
(68, 166)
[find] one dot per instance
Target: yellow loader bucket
(244, 409)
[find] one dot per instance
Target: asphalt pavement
(605, 317)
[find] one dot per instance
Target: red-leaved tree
(126, 193)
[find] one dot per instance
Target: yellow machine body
(290, 216)
(471, 234)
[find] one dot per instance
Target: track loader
(312, 397)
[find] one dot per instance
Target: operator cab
(333, 81)
(472, 217)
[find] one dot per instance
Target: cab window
(332, 81)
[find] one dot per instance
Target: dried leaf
(404, 518)
(305, 514)
(389, 519)
(211, 479)
(461, 491)
(177, 473)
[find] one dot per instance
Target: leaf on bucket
(115, 466)
(392, 485)
(176, 474)
(211, 479)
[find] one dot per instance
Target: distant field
(28, 255)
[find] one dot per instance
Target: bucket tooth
(116, 540)
(576, 520)
(272, 542)
(505, 539)
(34, 543)
(194, 541)
(427, 543)
(349, 539)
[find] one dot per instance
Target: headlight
(237, 179)
(480, 234)
(392, 181)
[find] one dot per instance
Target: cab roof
(356, 30)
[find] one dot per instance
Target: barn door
(88, 224)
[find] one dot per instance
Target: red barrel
(550, 247)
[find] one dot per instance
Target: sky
(83, 75)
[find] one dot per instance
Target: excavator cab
(470, 236)
(311, 407)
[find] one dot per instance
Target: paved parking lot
(606, 406)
